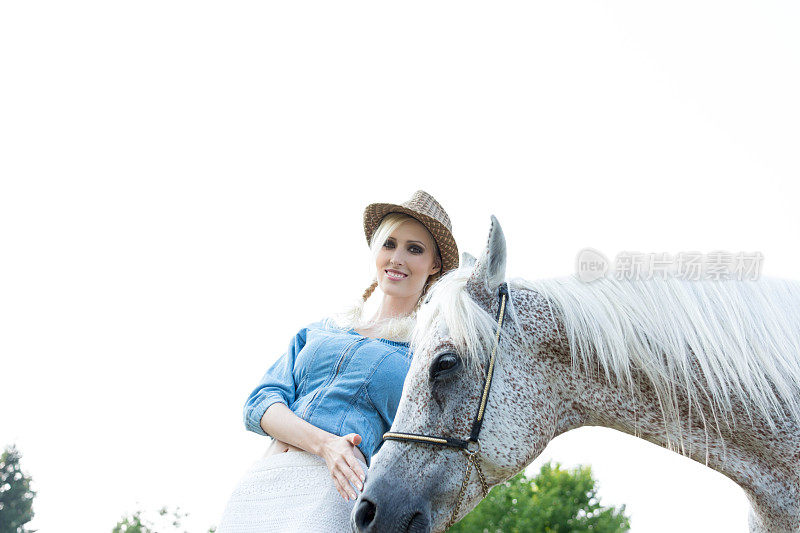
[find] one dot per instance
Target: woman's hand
(287, 428)
(342, 463)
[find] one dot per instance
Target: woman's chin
(393, 289)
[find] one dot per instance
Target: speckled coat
(536, 395)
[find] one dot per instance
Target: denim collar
(386, 341)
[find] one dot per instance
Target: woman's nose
(398, 257)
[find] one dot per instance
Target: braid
(370, 290)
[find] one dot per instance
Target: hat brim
(448, 248)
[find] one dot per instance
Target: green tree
(165, 521)
(555, 501)
(16, 496)
(131, 524)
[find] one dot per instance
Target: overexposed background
(182, 185)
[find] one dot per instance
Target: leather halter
(464, 445)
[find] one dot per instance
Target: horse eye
(444, 364)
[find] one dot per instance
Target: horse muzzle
(387, 506)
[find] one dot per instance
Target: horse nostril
(365, 514)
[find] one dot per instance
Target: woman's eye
(415, 250)
(388, 244)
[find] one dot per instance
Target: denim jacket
(337, 380)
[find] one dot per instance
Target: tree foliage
(164, 522)
(16, 496)
(554, 501)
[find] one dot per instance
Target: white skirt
(287, 492)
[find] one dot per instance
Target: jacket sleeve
(277, 385)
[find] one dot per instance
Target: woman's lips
(394, 275)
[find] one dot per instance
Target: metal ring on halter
(477, 449)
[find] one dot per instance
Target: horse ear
(468, 260)
(490, 271)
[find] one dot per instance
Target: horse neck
(599, 402)
(702, 434)
(763, 462)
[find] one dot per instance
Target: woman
(328, 400)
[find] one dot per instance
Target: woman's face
(406, 259)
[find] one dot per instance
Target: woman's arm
(280, 422)
(277, 385)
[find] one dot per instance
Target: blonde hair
(394, 328)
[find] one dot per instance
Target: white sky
(183, 183)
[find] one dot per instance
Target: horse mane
(711, 340)
(718, 343)
(470, 328)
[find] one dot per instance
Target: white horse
(709, 369)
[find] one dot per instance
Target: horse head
(417, 485)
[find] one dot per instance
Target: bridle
(464, 445)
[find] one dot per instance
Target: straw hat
(423, 207)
